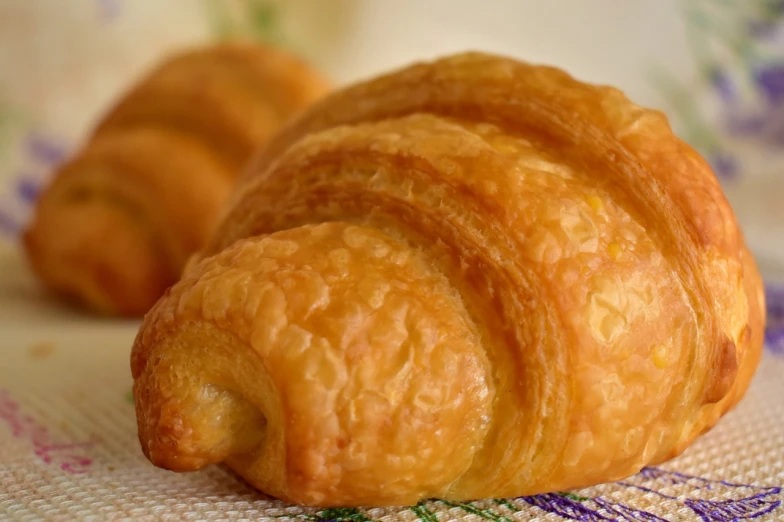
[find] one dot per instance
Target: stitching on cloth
(70, 457)
(42, 154)
(774, 332)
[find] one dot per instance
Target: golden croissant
(469, 278)
(120, 220)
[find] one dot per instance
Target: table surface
(68, 447)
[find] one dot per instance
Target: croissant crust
(120, 219)
(468, 278)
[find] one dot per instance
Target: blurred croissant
(470, 278)
(118, 223)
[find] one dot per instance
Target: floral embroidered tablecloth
(68, 448)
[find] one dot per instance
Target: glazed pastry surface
(121, 218)
(468, 278)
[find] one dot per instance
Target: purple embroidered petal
(674, 477)
(567, 508)
(45, 150)
(767, 127)
(775, 300)
(763, 124)
(725, 166)
(28, 189)
(723, 85)
(774, 339)
(745, 124)
(770, 79)
(733, 510)
(774, 332)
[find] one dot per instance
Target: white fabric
(68, 447)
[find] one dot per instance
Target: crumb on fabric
(41, 350)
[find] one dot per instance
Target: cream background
(63, 63)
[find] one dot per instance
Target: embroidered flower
(735, 107)
(774, 332)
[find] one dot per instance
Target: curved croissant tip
(166, 456)
(207, 425)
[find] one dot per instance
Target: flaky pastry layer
(468, 278)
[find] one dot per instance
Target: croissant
(120, 220)
(468, 278)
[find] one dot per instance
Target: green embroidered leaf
(507, 504)
(423, 513)
(257, 19)
(263, 19)
(342, 515)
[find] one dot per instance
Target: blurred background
(716, 67)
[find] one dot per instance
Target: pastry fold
(468, 278)
(121, 218)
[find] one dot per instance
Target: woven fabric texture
(68, 451)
